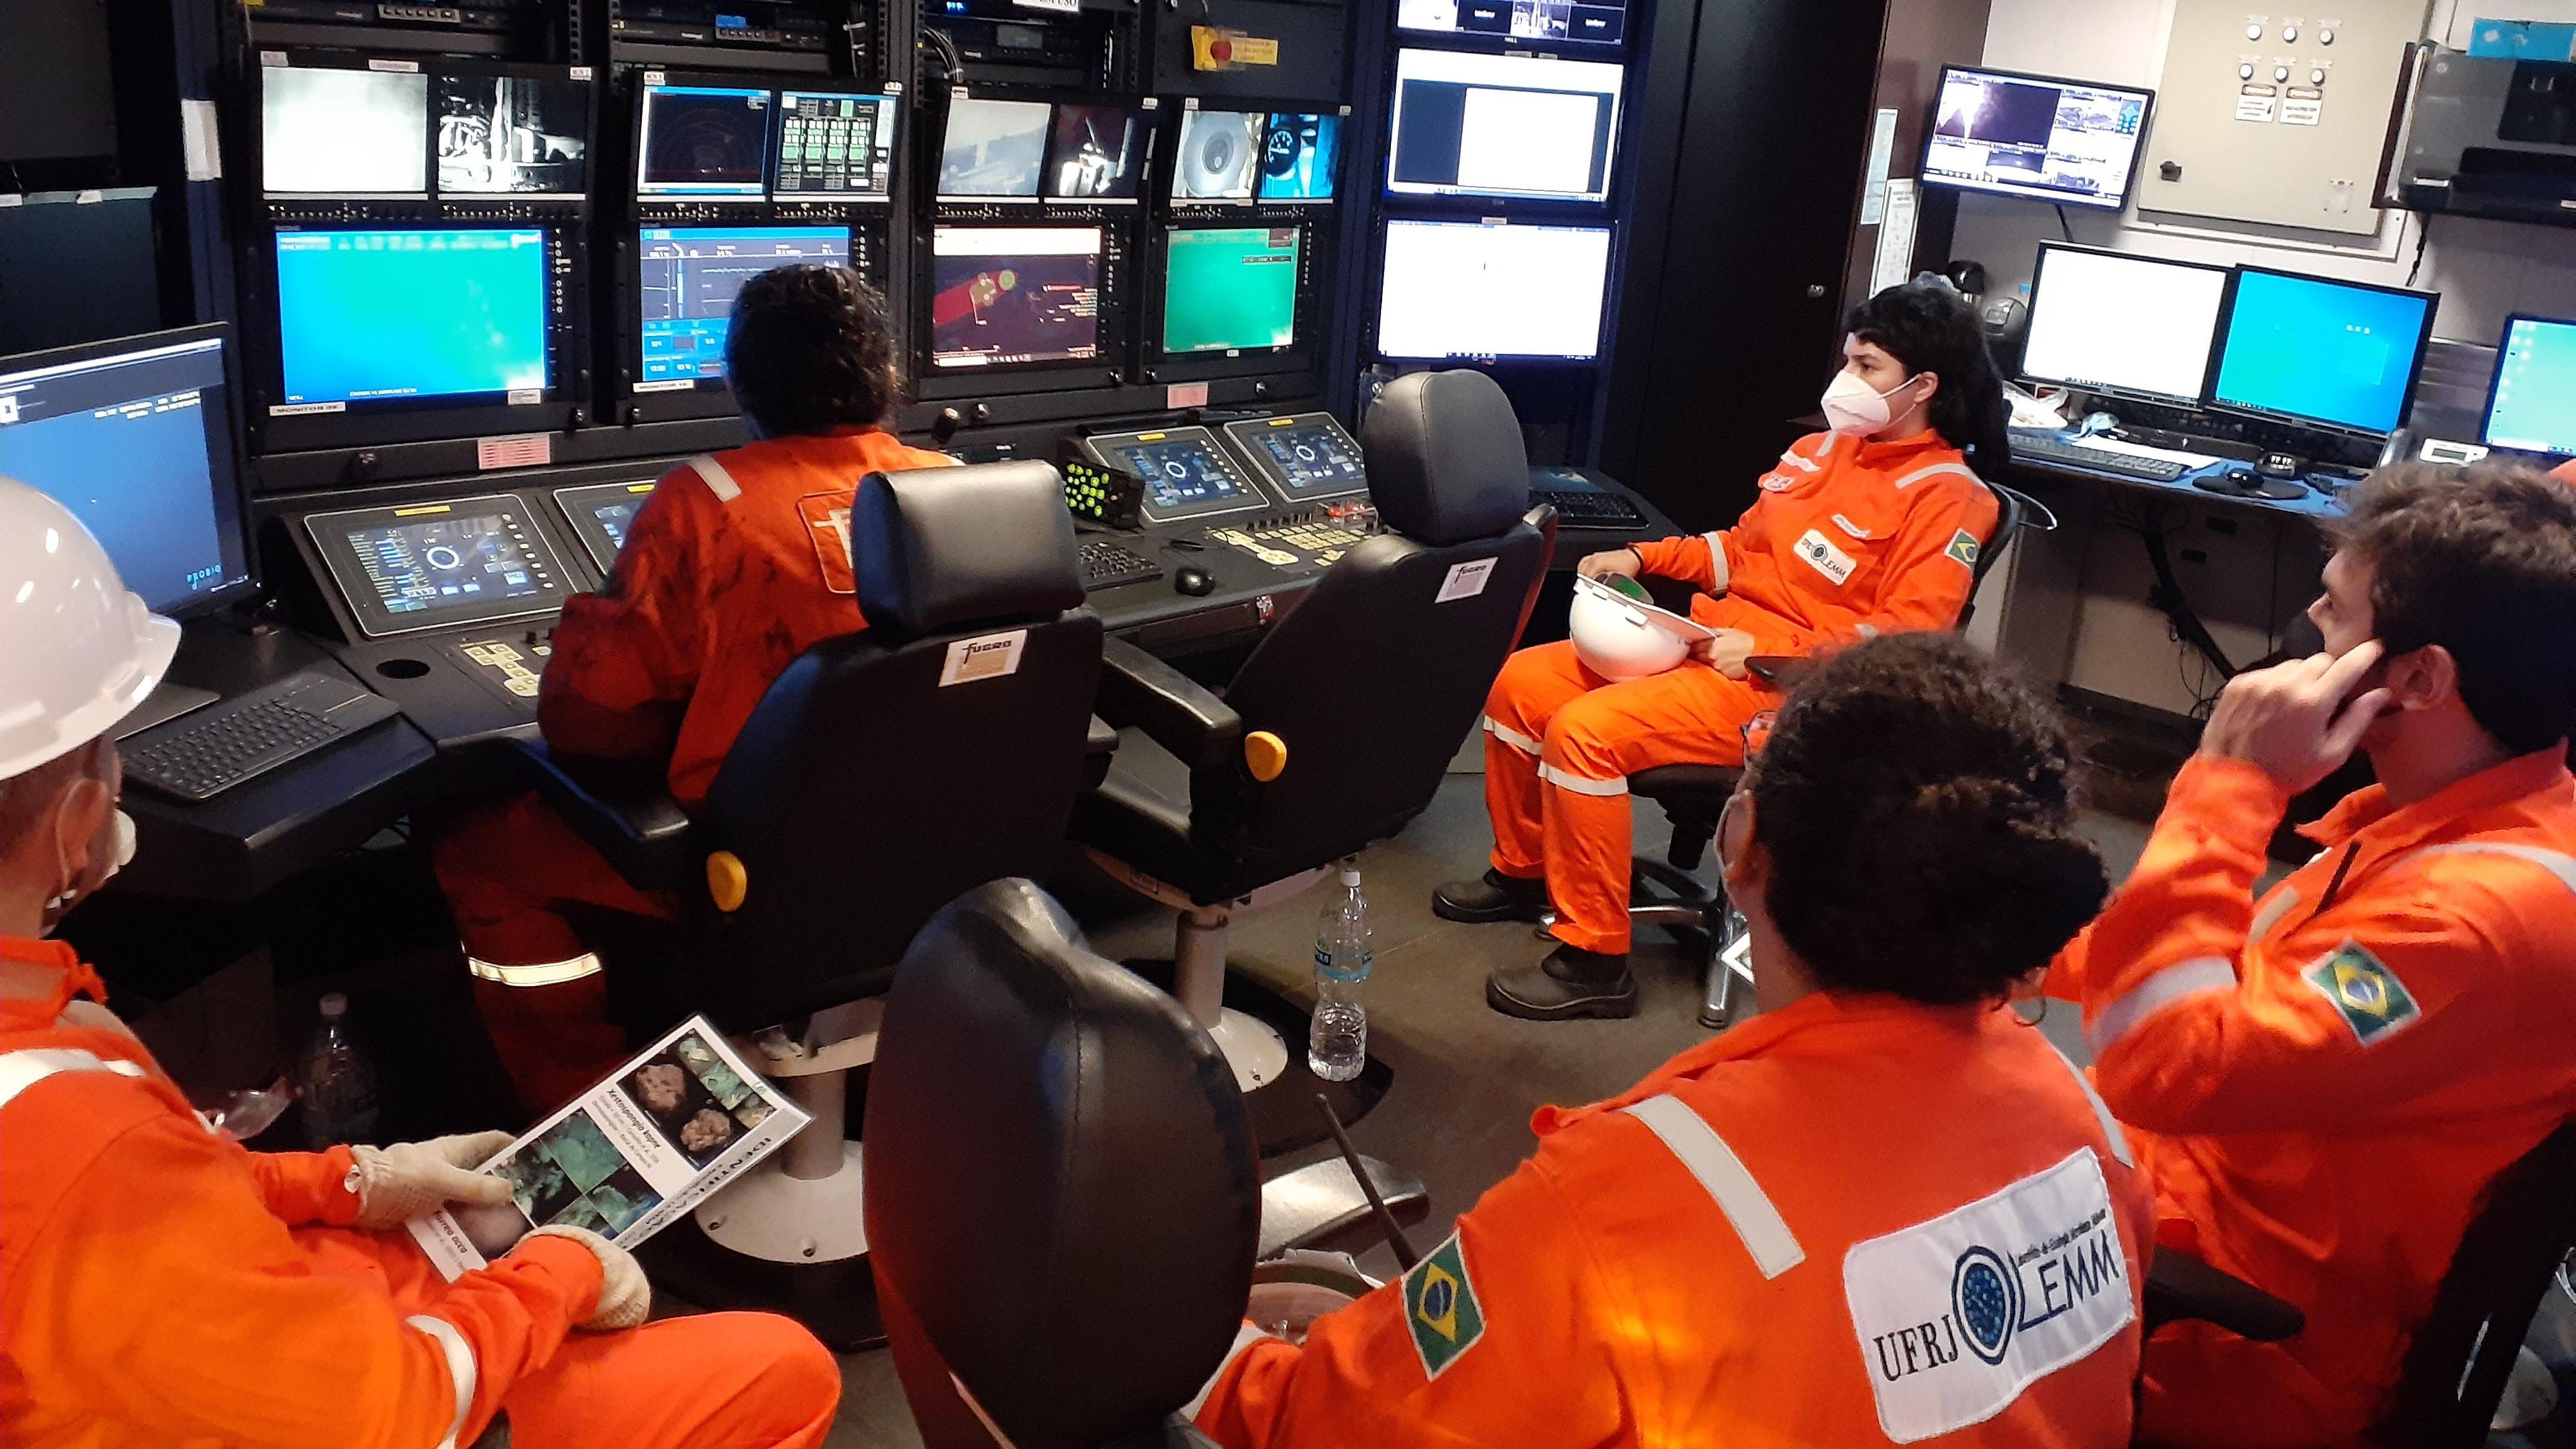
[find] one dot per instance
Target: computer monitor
(137, 437)
(1229, 288)
(702, 141)
(1185, 470)
(1300, 153)
(685, 281)
(2049, 140)
(343, 132)
(1480, 289)
(1553, 22)
(993, 148)
(835, 144)
(1008, 295)
(2125, 325)
(1467, 124)
(418, 566)
(1219, 155)
(2531, 406)
(2340, 354)
(383, 313)
(601, 513)
(1097, 154)
(515, 135)
(1305, 457)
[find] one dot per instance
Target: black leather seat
(882, 774)
(1068, 1255)
(1358, 697)
(1668, 892)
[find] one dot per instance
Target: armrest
(1099, 751)
(1139, 690)
(622, 809)
(1780, 671)
(2180, 1286)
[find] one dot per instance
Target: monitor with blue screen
(430, 313)
(686, 279)
(135, 436)
(2531, 408)
(2340, 354)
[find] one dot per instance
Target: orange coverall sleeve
(1538, 1376)
(2199, 1030)
(1691, 558)
(171, 1298)
(626, 659)
(1927, 584)
(302, 1188)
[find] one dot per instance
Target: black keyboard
(1107, 563)
(1589, 508)
(202, 754)
(2099, 460)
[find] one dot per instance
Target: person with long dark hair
(1870, 528)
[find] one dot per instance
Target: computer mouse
(1194, 581)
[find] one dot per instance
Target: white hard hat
(1616, 637)
(78, 651)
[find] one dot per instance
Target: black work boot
(1571, 982)
(1494, 897)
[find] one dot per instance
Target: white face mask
(1853, 407)
(61, 904)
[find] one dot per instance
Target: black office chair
(1338, 728)
(1669, 892)
(883, 773)
(1066, 1248)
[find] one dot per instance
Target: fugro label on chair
(1465, 580)
(986, 656)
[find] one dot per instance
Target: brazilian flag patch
(1963, 547)
(1440, 1308)
(2359, 985)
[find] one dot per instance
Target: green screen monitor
(1229, 288)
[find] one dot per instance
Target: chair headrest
(1445, 461)
(1070, 1195)
(944, 548)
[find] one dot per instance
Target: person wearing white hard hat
(159, 1284)
(1870, 528)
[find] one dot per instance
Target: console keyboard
(1589, 508)
(1106, 563)
(202, 754)
(2099, 460)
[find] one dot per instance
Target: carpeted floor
(1466, 1078)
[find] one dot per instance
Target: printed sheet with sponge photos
(628, 1157)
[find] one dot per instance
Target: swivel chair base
(1664, 895)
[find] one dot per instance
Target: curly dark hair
(811, 349)
(1929, 327)
(1918, 805)
(2482, 561)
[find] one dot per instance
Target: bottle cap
(1350, 875)
(334, 1006)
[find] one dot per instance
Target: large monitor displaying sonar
(686, 278)
(704, 141)
(1006, 295)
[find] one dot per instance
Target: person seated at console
(1884, 1209)
(1872, 528)
(160, 1284)
(2330, 1074)
(734, 565)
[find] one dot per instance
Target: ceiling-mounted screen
(1568, 22)
(2048, 140)
(1469, 124)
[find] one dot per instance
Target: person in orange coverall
(734, 565)
(1872, 528)
(160, 1285)
(2324, 1080)
(1883, 1211)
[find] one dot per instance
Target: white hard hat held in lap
(78, 650)
(1617, 637)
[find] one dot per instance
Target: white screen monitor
(1478, 289)
(2065, 141)
(2127, 325)
(1467, 124)
(343, 132)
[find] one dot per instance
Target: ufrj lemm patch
(1440, 1307)
(2370, 998)
(1956, 1316)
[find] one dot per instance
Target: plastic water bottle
(1337, 1047)
(336, 1082)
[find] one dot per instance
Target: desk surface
(2310, 505)
(257, 835)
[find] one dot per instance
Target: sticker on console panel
(827, 518)
(1955, 1317)
(986, 656)
(1465, 580)
(1824, 558)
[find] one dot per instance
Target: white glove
(625, 1298)
(410, 1179)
